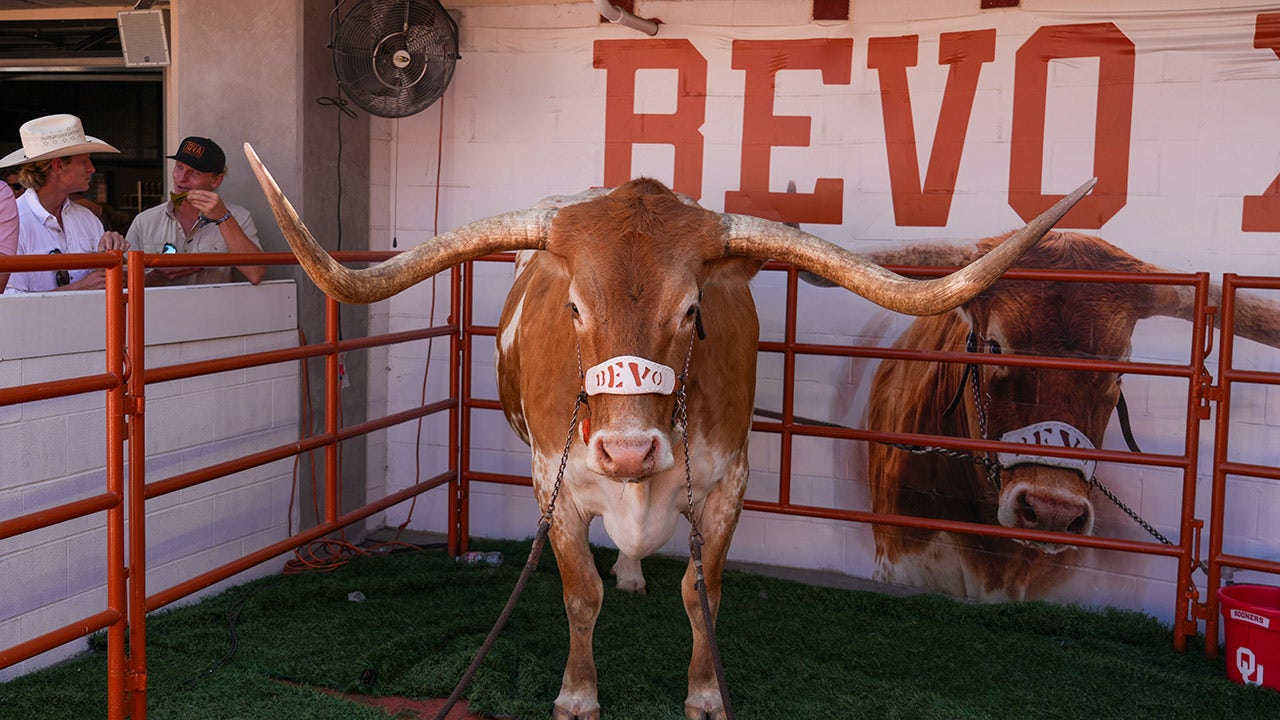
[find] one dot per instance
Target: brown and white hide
(632, 283)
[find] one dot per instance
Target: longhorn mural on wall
(1049, 406)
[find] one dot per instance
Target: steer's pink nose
(627, 456)
(1045, 511)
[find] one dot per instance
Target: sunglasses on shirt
(62, 277)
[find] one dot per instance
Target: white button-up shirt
(39, 234)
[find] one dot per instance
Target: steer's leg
(718, 516)
(583, 594)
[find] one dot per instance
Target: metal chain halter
(681, 412)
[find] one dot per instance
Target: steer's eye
(573, 310)
(694, 314)
(993, 347)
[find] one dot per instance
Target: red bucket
(1251, 619)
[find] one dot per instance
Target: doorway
(121, 107)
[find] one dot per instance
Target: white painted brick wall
(1202, 137)
(53, 451)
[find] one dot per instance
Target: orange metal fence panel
(111, 500)
(1224, 468)
(125, 383)
(788, 427)
(126, 377)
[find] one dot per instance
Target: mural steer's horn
(521, 230)
(1256, 318)
(750, 236)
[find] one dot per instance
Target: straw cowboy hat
(53, 136)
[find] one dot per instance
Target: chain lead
(564, 457)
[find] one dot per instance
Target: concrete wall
(53, 451)
(241, 72)
(253, 71)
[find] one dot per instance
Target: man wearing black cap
(196, 219)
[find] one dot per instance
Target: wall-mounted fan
(394, 57)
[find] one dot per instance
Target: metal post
(332, 399)
(1218, 490)
(460, 421)
(117, 599)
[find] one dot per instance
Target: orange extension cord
(329, 554)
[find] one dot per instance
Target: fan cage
(394, 58)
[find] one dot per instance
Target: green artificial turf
(790, 651)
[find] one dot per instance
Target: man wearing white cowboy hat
(54, 163)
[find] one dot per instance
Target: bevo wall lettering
(762, 130)
(1261, 213)
(624, 127)
(1115, 55)
(965, 53)
(915, 203)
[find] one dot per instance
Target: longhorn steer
(1065, 407)
(622, 281)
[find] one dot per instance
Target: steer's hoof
(575, 710)
(629, 575)
(700, 713)
(633, 585)
(562, 714)
(704, 706)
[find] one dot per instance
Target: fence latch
(1205, 389)
(136, 682)
(134, 405)
(1208, 393)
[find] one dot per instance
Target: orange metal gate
(126, 378)
(1223, 467)
(125, 381)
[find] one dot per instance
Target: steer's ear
(733, 269)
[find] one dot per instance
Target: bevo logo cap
(202, 154)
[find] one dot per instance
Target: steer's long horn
(745, 235)
(520, 230)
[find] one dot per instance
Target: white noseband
(1049, 434)
(629, 375)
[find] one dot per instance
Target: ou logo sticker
(1247, 664)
